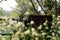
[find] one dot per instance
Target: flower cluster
(42, 32)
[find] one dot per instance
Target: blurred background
(16, 25)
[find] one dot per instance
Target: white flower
(36, 38)
(27, 23)
(53, 23)
(19, 24)
(58, 18)
(59, 32)
(23, 25)
(34, 33)
(32, 22)
(45, 23)
(52, 26)
(27, 32)
(53, 33)
(58, 22)
(4, 17)
(46, 27)
(3, 38)
(3, 23)
(17, 33)
(40, 27)
(10, 19)
(49, 36)
(8, 26)
(43, 33)
(27, 13)
(32, 29)
(3, 28)
(53, 16)
(54, 38)
(11, 22)
(24, 18)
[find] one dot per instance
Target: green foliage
(48, 3)
(23, 10)
(1, 12)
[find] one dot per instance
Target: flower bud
(27, 32)
(43, 34)
(40, 27)
(27, 13)
(32, 22)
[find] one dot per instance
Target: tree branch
(34, 7)
(40, 6)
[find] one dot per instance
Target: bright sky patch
(8, 5)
